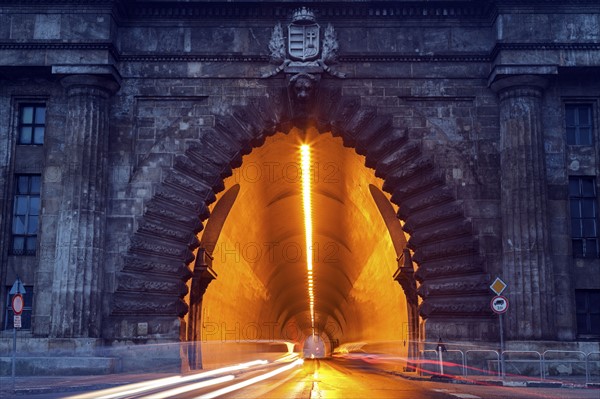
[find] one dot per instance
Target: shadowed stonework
(150, 191)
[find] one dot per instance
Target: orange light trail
(308, 227)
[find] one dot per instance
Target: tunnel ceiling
(266, 226)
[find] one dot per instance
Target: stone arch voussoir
(155, 268)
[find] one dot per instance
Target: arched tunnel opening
(250, 277)
(314, 347)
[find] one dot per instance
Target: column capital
(530, 85)
(106, 86)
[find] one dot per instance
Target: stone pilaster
(78, 272)
(203, 276)
(405, 276)
(527, 266)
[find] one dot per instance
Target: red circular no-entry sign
(17, 304)
(499, 304)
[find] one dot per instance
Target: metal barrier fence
(441, 365)
(587, 366)
(581, 360)
(482, 351)
(504, 360)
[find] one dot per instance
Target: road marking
(458, 395)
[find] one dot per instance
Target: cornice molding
(347, 58)
(330, 10)
(415, 58)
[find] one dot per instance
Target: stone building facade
(120, 122)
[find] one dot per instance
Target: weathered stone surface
(477, 284)
(147, 265)
(134, 283)
(429, 216)
(384, 145)
(405, 153)
(472, 307)
(445, 249)
(458, 106)
(524, 208)
(431, 269)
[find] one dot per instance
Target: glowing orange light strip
(308, 226)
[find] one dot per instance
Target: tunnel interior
(314, 347)
(258, 253)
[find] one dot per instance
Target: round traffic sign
(499, 304)
(17, 304)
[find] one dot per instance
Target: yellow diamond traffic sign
(498, 286)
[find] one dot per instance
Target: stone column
(78, 270)
(527, 266)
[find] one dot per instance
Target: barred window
(25, 214)
(32, 124)
(579, 124)
(584, 216)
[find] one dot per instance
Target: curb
(55, 389)
(524, 384)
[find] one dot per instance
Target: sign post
(499, 306)
(17, 304)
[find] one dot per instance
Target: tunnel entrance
(314, 348)
(168, 269)
(255, 244)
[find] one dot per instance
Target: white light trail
(138, 388)
(173, 393)
(250, 381)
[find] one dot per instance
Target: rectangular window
(584, 216)
(32, 124)
(26, 209)
(25, 316)
(579, 124)
(588, 312)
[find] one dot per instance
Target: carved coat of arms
(306, 51)
(303, 41)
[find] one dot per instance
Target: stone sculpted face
(303, 88)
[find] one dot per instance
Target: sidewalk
(509, 381)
